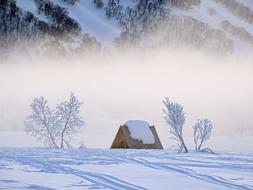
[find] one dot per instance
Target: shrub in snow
(202, 131)
(71, 1)
(54, 127)
(99, 3)
(62, 23)
(175, 118)
(183, 4)
(238, 8)
(82, 146)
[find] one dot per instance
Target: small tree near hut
(202, 131)
(175, 118)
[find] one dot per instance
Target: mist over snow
(118, 86)
(122, 58)
(79, 75)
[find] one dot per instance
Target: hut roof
(137, 134)
(140, 130)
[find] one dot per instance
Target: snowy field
(37, 168)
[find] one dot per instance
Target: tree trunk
(185, 148)
(53, 141)
(62, 133)
(183, 144)
(52, 138)
(62, 140)
(200, 145)
(196, 144)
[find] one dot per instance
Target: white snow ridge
(140, 130)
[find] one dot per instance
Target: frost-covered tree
(68, 119)
(175, 118)
(41, 122)
(202, 131)
(54, 127)
(71, 1)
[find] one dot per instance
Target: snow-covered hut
(137, 134)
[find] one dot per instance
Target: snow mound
(140, 130)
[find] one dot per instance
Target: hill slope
(213, 25)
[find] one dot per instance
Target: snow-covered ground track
(123, 169)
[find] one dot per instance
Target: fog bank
(119, 86)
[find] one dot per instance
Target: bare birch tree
(175, 118)
(41, 122)
(201, 131)
(54, 127)
(68, 119)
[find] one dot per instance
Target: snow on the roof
(140, 130)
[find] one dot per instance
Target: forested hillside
(221, 26)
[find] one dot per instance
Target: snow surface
(247, 3)
(129, 3)
(22, 168)
(29, 5)
(201, 13)
(93, 20)
(140, 130)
